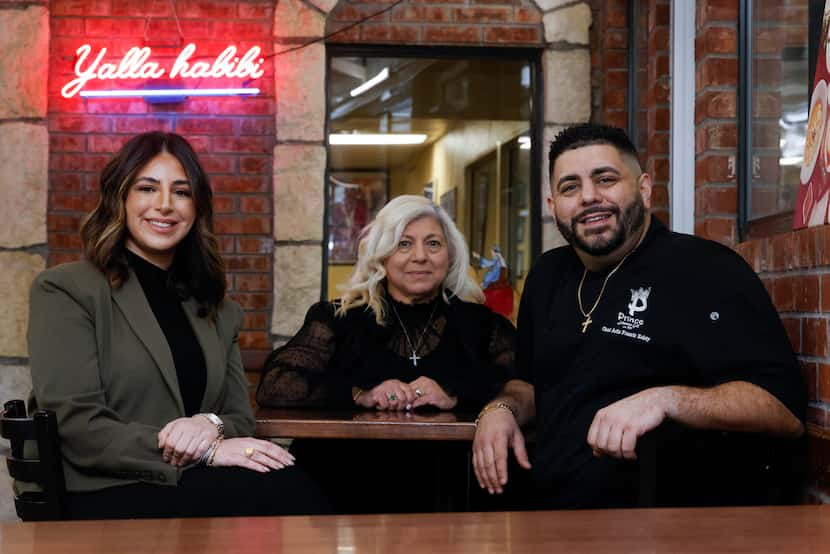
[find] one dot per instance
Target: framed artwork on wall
(448, 203)
(355, 197)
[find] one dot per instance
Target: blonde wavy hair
(380, 239)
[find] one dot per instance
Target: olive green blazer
(100, 360)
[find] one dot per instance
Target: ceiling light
(366, 139)
(379, 78)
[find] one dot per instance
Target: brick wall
(459, 22)
(233, 136)
(658, 111)
(609, 62)
(795, 268)
(716, 136)
(610, 37)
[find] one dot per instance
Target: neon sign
(136, 64)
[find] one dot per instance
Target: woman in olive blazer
(135, 349)
(102, 363)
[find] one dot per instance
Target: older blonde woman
(409, 332)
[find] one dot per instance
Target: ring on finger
(249, 452)
(391, 396)
(419, 393)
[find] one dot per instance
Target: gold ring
(249, 452)
(419, 393)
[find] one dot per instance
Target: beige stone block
(15, 383)
(295, 18)
(301, 94)
(324, 5)
(546, 5)
(567, 86)
(23, 183)
(24, 65)
(569, 24)
(19, 270)
(299, 186)
(297, 273)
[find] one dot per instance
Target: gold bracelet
(495, 406)
(216, 444)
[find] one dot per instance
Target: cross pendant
(587, 322)
(414, 359)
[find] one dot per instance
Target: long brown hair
(197, 270)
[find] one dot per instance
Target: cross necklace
(587, 315)
(414, 357)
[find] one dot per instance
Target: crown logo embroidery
(639, 300)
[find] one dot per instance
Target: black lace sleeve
(495, 366)
(299, 372)
(502, 351)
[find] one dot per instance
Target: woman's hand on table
(389, 395)
(185, 439)
(255, 454)
(429, 393)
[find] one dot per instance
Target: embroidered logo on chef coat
(627, 322)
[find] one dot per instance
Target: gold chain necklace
(587, 315)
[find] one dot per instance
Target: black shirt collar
(149, 275)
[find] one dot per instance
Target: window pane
(779, 104)
(465, 125)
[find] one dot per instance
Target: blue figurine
(493, 265)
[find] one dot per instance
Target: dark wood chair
(46, 470)
(680, 466)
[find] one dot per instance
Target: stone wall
(24, 155)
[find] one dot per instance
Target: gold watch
(213, 418)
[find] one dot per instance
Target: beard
(631, 220)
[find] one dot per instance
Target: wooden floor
(776, 530)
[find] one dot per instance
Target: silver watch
(213, 418)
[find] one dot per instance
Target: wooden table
(320, 424)
(768, 529)
(449, 436)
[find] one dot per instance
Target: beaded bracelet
(494, 406)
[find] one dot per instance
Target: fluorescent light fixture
(791, 160)
(524, 143)
(366, 139)
(173, 92)
(379, 78)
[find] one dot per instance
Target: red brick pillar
(716, 136)
(658, 112)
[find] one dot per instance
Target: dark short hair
(589, 134)
(198, 270)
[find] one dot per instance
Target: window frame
(781, 222)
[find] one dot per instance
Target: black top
(466, 348)
(191, 369)
(680, 310)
